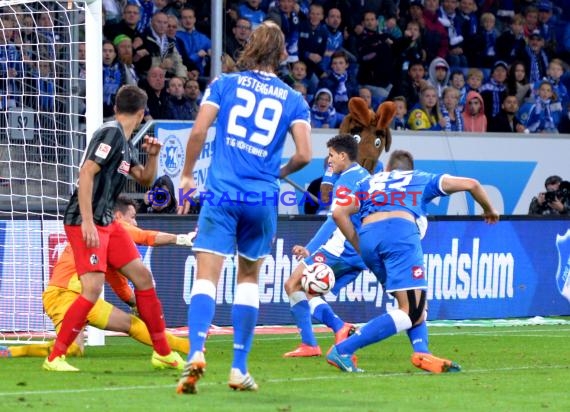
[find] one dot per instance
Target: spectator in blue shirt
(313, 42)
(194, 47)
(338, 80)
(323, 113)
(252, 11)
(288, 19)
(11, 69)
(112, 79)
(335, 36)
(544, 115)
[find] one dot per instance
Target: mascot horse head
(371, 130)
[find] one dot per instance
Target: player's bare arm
(453, 184)
(145, 175)
(206, 116)
(326, 189)
(85, 195)
(300, 252)
(301, 133)
(341, 215)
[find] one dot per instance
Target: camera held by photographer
(556, 199)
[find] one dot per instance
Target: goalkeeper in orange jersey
(64, 286)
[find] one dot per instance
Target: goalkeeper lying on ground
(64, 286)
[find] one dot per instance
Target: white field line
(332, 376)
(560, 332)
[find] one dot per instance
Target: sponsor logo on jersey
(172, 156)
(417, 272)
(319, 258)
(124, 168)
(102, 150)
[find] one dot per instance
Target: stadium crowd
(450, 65)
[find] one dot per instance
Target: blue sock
(302, 315)
(324, 314)
(419, 337)
(244, 319)
(200, 314)
(377, 329)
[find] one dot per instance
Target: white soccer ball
(318, 279)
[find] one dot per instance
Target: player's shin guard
(302, 314)
(73, 321)
(244, 319)
(200, 313)
(323, 312)
(377, 329)
(150, 311)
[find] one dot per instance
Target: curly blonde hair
(265, 48)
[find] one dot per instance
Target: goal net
(43, 130)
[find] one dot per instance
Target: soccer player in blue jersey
(254, 111)
(388, 204)
(327, 246)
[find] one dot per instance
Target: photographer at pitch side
(556, 199)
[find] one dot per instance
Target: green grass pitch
(523, 368)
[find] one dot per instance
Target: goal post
(48, 111)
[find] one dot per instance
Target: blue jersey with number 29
(256, 110)
(409, 190)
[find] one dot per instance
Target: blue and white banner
(22, 276)
(516, 268)
(512, 168)
(174, 138)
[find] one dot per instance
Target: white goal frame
(92, 10)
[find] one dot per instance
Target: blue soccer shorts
(248, 228)
(392, 250)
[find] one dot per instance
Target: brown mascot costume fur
(372, 131)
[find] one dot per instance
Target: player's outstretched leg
(377, 329)
(323, 312)
(302, 314)
(139, 332)
(36, 350)
(40, 350)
